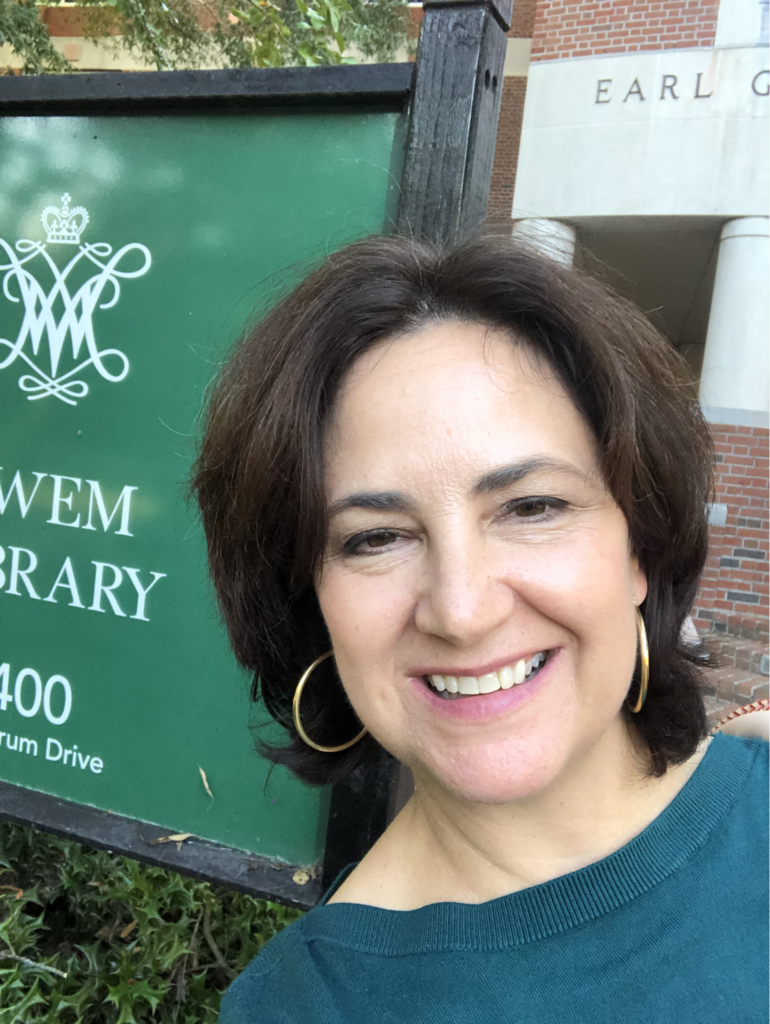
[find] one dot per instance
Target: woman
(460, 498)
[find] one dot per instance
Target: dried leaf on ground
(177, 838)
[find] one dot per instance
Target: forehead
(449, 402)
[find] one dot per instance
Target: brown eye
(370, 542)
(531, 507)
(378, 540)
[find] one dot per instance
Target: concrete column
(552, 237)
(736, 362)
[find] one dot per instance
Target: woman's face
(470, 531)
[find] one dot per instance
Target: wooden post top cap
(501, 9)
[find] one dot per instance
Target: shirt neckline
(566, 902)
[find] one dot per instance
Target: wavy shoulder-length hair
(259, 475)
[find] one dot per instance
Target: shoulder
(745, 761)
(743, 767)
(759, 751)
(259, 993)
(751, 721)
(300, 974)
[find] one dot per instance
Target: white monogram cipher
(57, 314)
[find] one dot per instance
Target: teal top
(670, 929)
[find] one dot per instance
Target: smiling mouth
(455, 687)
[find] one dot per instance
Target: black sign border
(452, 94)
(380, 86)
(354, 822)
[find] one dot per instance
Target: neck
(443, 848)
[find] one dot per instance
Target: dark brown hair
(259, 476)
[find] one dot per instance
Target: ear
(638, 581)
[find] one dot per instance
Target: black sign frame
(452, 94)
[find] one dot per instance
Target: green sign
(132, 250)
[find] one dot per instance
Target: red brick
(523, 19)
(506, 153)
(726, 687)
(631, 26)
(744, 690)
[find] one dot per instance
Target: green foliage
(22, 29)
(312, 32)
(213, 33)
(87, 937)
(297, 32)
(171, 33)
(378, 28)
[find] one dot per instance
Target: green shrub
(88, 937)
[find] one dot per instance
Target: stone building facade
(633, 141)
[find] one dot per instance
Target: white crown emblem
(64, 225)
(59, 305)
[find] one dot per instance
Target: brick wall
(733, 597)
(506, 154)
(523, 20)
(509, 128)
(581, 28)
(80, 21)
(74, 21)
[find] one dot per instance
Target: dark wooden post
(361, 807)
(450, 146)
(453, 118)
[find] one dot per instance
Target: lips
(455, 687)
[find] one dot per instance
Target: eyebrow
(489, 483)
(506, 476)
(377, 501)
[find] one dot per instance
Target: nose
(462, 599)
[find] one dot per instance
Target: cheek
(585, 574)
(362, 611)
(588, 586)
(366, 616)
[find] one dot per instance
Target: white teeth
(489, 683)
(511, 675)
(535, 662)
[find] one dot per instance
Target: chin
(502, 773)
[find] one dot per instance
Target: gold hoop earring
(644, 655)
(295, 713)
